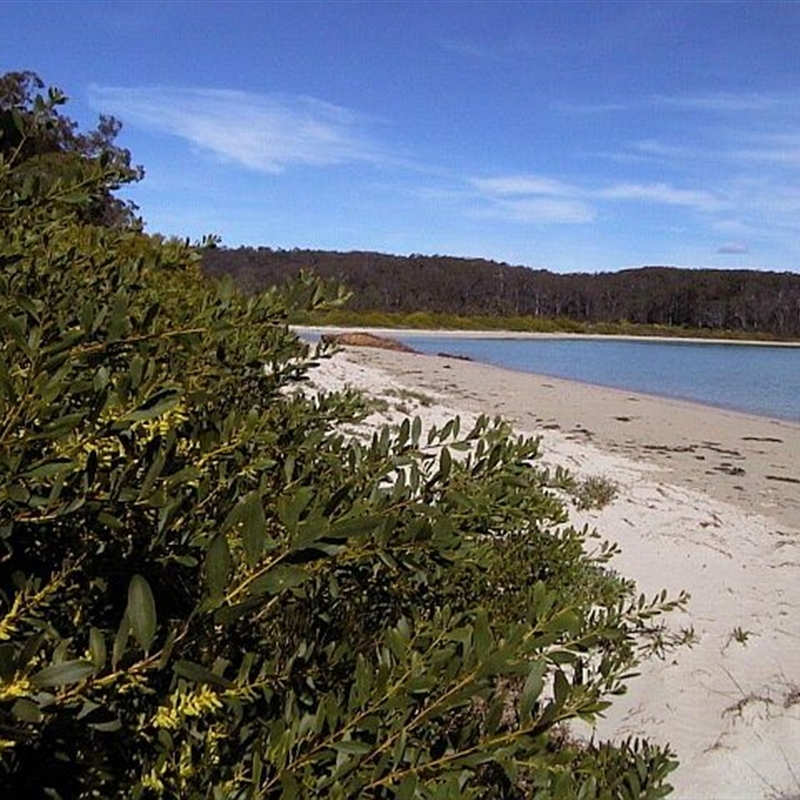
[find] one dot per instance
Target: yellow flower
(181, 705)
(18, 687)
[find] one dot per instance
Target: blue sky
(577, 136)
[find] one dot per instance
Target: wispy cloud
(659, 149)
(736, 129)
(589, 108)
(711, 102)
(779, 149)
(531, 199)
(268, 133)
(733, 227)
(538, 210)
(523, 185)
(661, 193)
(729, 101)
(536, 198)
(518, 199)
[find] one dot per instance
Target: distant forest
(735, 300)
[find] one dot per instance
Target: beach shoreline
(446, 333)
(696, 510)
(739, 458)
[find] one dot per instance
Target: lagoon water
(757, 379)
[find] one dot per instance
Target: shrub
(207, 589)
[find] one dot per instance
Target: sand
(708, 503)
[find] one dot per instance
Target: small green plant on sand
(740, 635)
(421, 398)
(376, 405)
(595, 492)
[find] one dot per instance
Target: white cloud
(540, 210)
(783, 149)
(589, 108)
(528, 197)
(727, 102)
(730, 101)
(734, 227)
(263, 132)
(733, 248)
(652, 147)
(661, 193)
(522, 185)
(789, 157)
(531, 199)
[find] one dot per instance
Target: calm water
(761, 380)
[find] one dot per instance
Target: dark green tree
(46, 146)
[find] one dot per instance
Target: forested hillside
(736, 300)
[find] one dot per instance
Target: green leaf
(141, 611)
(531, 690)
(248, 519)
(64, 673)
(445, 463)
(290, 507)
(50, 468)
(567, 621)
(120, 640)
(416, 431)
(60, 427)
(482, 634)
(119, 324)
(166, 650)
(153, 473)
(561, 689)
(199, 674)
(97, 647)
(157, 404)
(109, 520)
(8, 661)
(408, 788)
(6, 383)
(352, 748)
(217, 566)
(279, 579)
(17, 493)
(107, 727)
(354, 526)
(19, 122)
(27, 711)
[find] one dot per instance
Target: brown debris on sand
(356, 339)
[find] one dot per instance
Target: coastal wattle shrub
(208, 589)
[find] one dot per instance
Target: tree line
(748, 301)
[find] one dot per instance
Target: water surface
(757, 379)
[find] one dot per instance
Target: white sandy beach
(709, 502)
